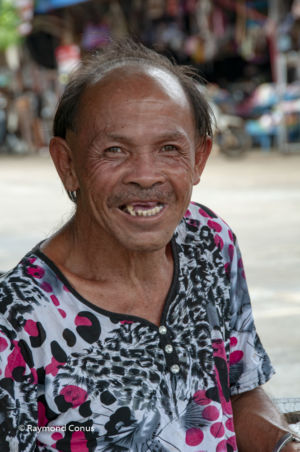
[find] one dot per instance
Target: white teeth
(131, 210)
(143, 213)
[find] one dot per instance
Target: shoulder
(200, 223)
(20, 291)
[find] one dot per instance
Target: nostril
(145, 184)
(144, 175)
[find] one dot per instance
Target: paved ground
(259, 196)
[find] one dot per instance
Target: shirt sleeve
(249, 363)
(18, 394)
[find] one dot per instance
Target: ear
(201, 155)
(63, 160)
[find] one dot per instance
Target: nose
(144, 170)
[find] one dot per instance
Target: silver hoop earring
(72, 195)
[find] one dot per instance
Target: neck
(111, 277)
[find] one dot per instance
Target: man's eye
(169, 147)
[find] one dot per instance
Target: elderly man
(130, 329)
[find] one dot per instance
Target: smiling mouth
(149, 209)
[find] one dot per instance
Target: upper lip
(141, 202)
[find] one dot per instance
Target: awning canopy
(43, 6)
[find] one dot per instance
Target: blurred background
(248, 53)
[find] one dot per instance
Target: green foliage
(9, 23)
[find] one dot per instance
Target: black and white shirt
(75, 377)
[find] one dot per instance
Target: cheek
(94, 177)
(183, 186)
(183, 171)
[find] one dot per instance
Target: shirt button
(162, 330)
(175, 369)
(168, 348)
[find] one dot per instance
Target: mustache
(162, 195)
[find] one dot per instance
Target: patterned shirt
(75, 377)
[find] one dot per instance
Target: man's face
(136, 158)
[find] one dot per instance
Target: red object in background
(67, 57)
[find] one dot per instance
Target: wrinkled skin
(135, 142)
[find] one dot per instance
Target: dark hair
(96, 65)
